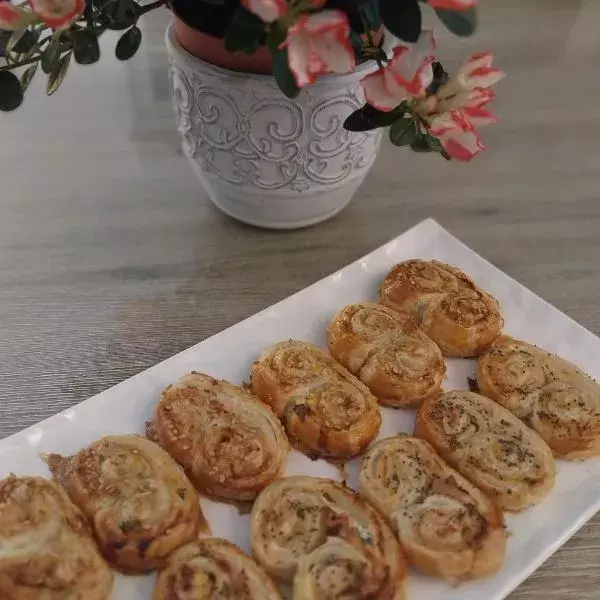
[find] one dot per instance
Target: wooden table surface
(112, 258)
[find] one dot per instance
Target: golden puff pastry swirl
(321, 538)
(47, 551)
(137, 498)
(447, 527)
(326, 411)
(489, 446)
(213, 569)
(549, 394)
(230, 444)
(387, 352)
(448, 306)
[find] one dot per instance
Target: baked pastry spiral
(326, 411)
(447, 527)
(489, 446)
(230, 444)
(320, 536)
(47, 551)
(137, 498)
(549, 394)
(387, 352)
(456, 314)
(213, 569)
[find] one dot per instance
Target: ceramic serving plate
(534, 534)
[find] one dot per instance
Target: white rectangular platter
(534, 534)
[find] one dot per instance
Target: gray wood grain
(112, 259)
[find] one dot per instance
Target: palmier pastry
(329, 544)
(326, 411)
(47, 551)
(489, 446)
(458, 316)
(213, 569)
(545, 391)
(447, 526)
(230, 444)
(137, 498)
(387, 352)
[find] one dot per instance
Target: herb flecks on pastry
(47, 551)
(213, 569)
(138, 499)
(489, 446)
(448, 527)
(324, 540)
(552, 396)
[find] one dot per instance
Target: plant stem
(157, 3)
(21, 64)
(369, 34)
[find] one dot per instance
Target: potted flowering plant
(280, 103)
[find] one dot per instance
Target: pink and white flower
(472, 99)
(13, 18)
(408, 74)
(57, 13)
(475, 72)
(453, 4)
(266, 10)
(457, 134)
(318, 43)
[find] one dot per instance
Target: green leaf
(368, 117)
(245, 32)
(283, 76)
(459, 22)
(403, 132)
(129, 43)
(11, 92)
(58, 73)
(86, 49)
(420, 144)
(402, 18)
(275, 37)
(371, 15)
(51, 55)
(4, 38)
(436, 146)
(14, 39)
(425, 142)
(28, 74)
(121, 15)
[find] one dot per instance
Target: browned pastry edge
(386, 350)
(470, 449)
(451, 314)
(226, 429)
(314, 426)
(130, 544)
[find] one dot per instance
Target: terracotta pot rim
(175, 47)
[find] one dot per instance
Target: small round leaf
(11, 92)
(86, 49)
(129, 43)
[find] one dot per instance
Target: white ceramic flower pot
(262, 158)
